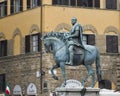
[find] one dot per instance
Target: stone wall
(22, 70)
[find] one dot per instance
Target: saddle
(78, 50)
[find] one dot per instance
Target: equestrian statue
(68, 49)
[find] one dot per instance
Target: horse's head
(52, 39)
(47, 43)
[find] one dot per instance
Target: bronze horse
(56, 42)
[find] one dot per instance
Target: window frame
(30, 4)
(14, 8)
(87, 37)
(29, 43)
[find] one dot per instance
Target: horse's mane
(58, 35)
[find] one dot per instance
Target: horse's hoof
(55, 77)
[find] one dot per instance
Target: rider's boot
(71, 59)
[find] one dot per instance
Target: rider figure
(74, 39)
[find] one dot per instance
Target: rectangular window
(112, 44)
(3, 9)
(111, 4)
(3, 48)
(89, 3)
(60, 2)
(89, 39)
(35, 43)
(2, 83)
(33, 3)
(73, 2)
(16, 6)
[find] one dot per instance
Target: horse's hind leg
(90, 73)
(52, 68)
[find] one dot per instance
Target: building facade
(24, 63)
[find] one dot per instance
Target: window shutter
(108, 43)
(3, 48)
(28, 4)
(111, 4)
(4, 44)
(39, 42)
(11, 6)
(27, 43)
(91, 39)
(79, 2)
(5, 8)
(114, 44)
(97, 3)
(73, 2)
(21, 5)
(0, 49)
(38, 2)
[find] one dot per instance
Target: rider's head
(73, 20)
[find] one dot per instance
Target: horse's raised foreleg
(62, 65)
(90, 73)
(52, 68)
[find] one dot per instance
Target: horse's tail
(98, 66)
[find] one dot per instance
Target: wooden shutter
(5, 8)
(112, 44)
(39, 42)
(97, 3)
(91, 39)
(0, 49)
(28, 4)
(3, 48)
(11, 6)
(38, 2)
(79, 3)
(90, 3)
(108, 43)
(4, 44)
(54, 2)
(111, 4)
(21, 5)
(115, 44)
(73, 2)
(27, 43)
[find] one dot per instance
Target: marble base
(76, 91)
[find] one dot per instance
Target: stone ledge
(76, 89)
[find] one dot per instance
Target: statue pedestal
(77, 91)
